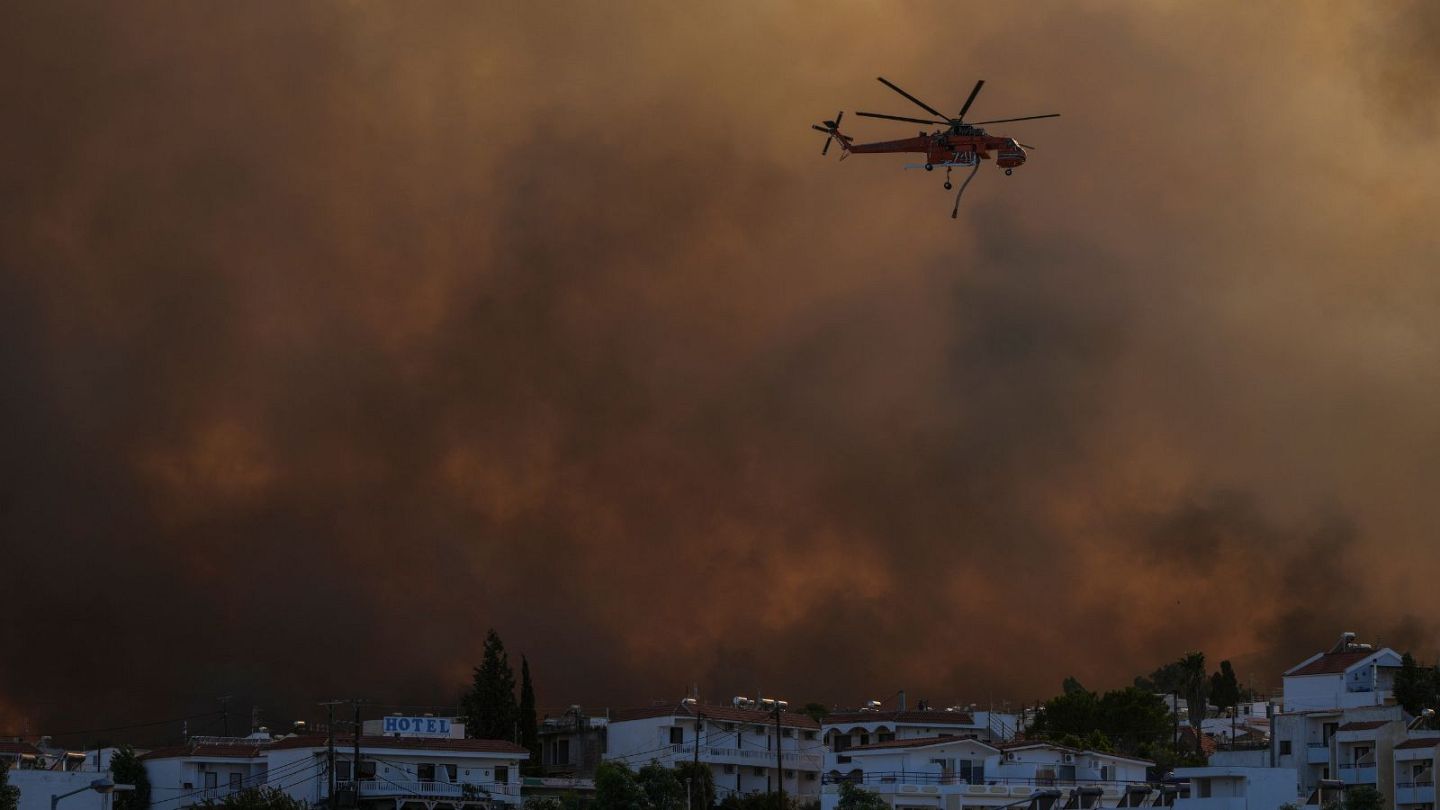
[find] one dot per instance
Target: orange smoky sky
(333, 334)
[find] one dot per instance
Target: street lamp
(98, 785)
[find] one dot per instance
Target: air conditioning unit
(1068, 758)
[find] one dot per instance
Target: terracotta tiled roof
(1362, 725)
(1333, 663)
(433, 744)
(909, 718)
(722, 713)
(249, 751)
(1420, 742)
(18, 748)
(919, 742)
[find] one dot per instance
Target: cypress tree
(529, 726)
(490, 710)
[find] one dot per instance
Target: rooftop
(723, 713)
(920, 742)
(923, 718)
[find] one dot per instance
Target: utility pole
(695, 770)
(330, 749)
(355, 763)
(779, 761)
(225, 714)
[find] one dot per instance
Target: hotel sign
(418, 726)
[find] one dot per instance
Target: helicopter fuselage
(948, 146)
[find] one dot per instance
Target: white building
(1228, 788)
(1339, 719)
(738, 744)
(394, 772)
(952, 772)
(1413, 765)
(1349, 676)
(844, 729)
(38, 775)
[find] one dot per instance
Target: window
(450, 773)
(425, 772)
(1203, 788)
(864, 738)
(758, 771)
(885, 736)
(235, 779)
(809, 735)
(839, 742)
(972, 771)
(789, 774)
(367, 769)
(760, 730)
(811, 776)
(502, 774)
(1284, 748)
(677, 735)
(787, 732)
(729, 769)
(342, 771)
(562, 752)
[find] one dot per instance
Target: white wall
(36, 788)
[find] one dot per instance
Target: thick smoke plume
(332, 335)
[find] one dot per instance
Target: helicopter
(958, 144)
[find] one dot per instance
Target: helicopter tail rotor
(832, 131)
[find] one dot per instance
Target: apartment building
(740, 743)
(953, 772)
(393, 772)
(842, 730)
(1231, 788)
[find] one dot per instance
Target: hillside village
(1344, 731)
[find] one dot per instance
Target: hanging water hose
(956, 212)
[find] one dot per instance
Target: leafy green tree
(702, 783)
(127, 769)
(1362, 797)
(1225, 687)
(616, 788)
(1073, 713)
(1417, 687)
(258, 798)
(490, 709)
(853, 797)
(1132, 718)
(1072, 685)
(529, 725)
(9, 795)
(816, 711)
(663, 791)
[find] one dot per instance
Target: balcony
(1362, 774)
(1414, 793)
(747, 756)
(376, 788)
(1317, 753)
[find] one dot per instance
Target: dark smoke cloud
(334, 335)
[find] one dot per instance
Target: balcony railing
(1357, 774)
(444, 790)
(933, 778)
(793, 759)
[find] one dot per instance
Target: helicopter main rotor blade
(1007, 120)
(826, 150)
(819, 128)
(971, 99)
(922, 105)
(1027, 146)
(903, 118)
